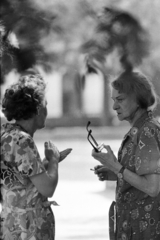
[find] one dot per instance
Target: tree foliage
(51, 33)
(22, 27)
(118, 30)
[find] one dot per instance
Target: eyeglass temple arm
(94, 140)
(90, 133)
(87, 127)
(88, 137)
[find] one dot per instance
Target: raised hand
(51, 152)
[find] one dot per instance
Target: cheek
(129, 108)
(46, 112)
(125, 107)
(43, 114)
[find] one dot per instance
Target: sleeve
(147, 157)
(27, 158)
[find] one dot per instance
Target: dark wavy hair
(137, 84)
(22, 99)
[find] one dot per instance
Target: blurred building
(69, 103)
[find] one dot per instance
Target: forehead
(116, 94)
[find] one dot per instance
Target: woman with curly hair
(26, 182)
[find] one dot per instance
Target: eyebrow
(118, 97)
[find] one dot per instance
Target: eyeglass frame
(91, 136)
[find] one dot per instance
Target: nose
(115, 105)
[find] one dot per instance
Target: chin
(41, 126)
(120, 117)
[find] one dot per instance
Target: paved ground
(84, 201)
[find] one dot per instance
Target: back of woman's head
(21, 100)
(137, 85)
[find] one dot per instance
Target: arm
(149, 183)
(46, 182)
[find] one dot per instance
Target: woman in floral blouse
(25, 182)
(136, 213)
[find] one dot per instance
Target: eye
(120, 100)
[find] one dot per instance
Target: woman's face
(125, 105)
(42, 114)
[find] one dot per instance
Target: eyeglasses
(91, 139)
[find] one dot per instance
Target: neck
(135, 116)
(27, 125)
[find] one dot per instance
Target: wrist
(118, 169)
(121, 172)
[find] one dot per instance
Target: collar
(133, 132)
(144, 117)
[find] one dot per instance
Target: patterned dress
(26, 214)
(138, 214)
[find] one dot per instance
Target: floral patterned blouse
(138, 214)
(26, 214)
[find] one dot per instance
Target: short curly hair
(21, 100)
(137, 84)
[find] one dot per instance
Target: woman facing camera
(136, 213)
(26, 182)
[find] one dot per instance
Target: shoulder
(5, 127)
(13, 135)
(149, 135)
(150, 128)
(25, 141)
(153, 122)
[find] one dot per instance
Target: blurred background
(79, 47)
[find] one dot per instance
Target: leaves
(29, 25)
(118, 29)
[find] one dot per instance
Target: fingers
(100, 147)
(97, 167)
(101, 177)
(50, 145)
(46, 145)
(108, 148)
(94, 153)
(102, 170)
(51, 150)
